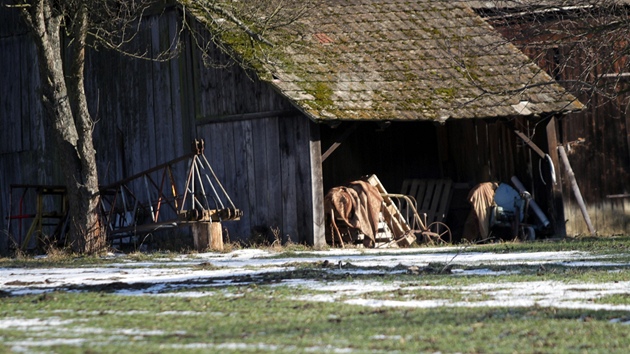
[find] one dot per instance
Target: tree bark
(66, 105)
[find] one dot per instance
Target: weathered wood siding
(261, 149)
(596, 139)
(597, 148)
(22, 142)
(266, 167)
(149, 112)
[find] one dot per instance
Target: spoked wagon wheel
(438, 233)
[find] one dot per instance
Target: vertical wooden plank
(217, 135)
(187, 91)
(10, 101)
(162, 108)
(261, 210)
(484, 148)
(492, 145)
(304, 205)
(148, 140)
(467, 149)
(31, 100)
(288, 166)
(243, 193)
(39, 133)
(232, 181)
(274, 180)
(4, 199)
(248, 157)
(175, 90)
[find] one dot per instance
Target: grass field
(541, 297)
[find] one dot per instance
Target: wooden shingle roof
(403, 60)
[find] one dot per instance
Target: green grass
(262, 319)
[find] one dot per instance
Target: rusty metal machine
(166, 196)
(41, 212)
(153, 199)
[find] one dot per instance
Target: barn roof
(401, 60)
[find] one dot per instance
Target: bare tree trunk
(66, 106)
(91, 237)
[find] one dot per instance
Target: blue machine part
(508, 198)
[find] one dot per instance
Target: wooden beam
(340, 139)
(245, 116)
(530, 143)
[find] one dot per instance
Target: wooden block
(216, 236)
(201, 235)
(207, 235)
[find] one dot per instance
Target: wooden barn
(596, 139)
(404, 90)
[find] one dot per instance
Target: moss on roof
(397, 60)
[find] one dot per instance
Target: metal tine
(124, 202)
(216, 198)
(197, 162)
(146, 185)
(187, 188)
(218, 182)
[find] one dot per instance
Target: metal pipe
(532, 203)
(146, 186)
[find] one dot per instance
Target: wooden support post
(207, 235)
(317, 236)
(576, 190)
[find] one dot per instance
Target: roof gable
(401, 60)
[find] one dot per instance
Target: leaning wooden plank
(428, 195)
(576, 190)
(445, 200)
(419, 191)
(391, 212)
(437, 196)
(406, 186)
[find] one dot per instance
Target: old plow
(153, 199)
